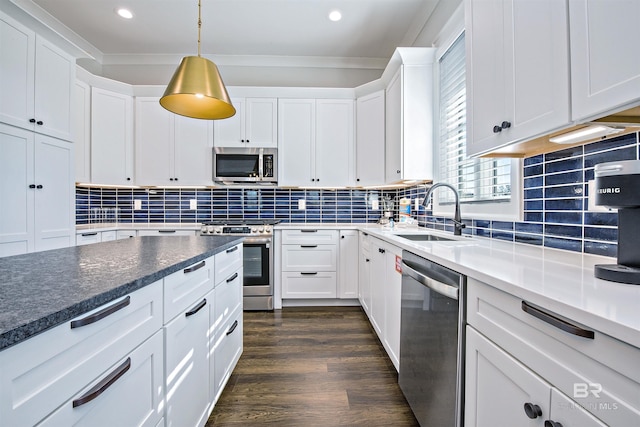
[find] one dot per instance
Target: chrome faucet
(457, 220)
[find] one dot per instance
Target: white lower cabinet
(309, 264)
(42, 377)
(159, 356)
(502, 391)
(523, 359)
(166, 232)
(386, 293)
(348, 264)
(108, 401)
(364, 274)
(187, 370)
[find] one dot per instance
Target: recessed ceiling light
(124, 13)
(335, 15)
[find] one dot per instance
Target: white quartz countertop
(90, 228)
(560, 281)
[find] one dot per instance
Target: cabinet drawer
(183, 288)
(167, 232)
(309, 257)
(125, 234)
(602, 364)
(87, 238)
(228, 298)
(309, 285)
(309, 236)
(227, 351)
(139, 377)
(107, 236)
(45, 371)
(227, 263)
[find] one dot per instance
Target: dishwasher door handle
(436, 286)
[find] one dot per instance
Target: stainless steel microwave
(245, 165)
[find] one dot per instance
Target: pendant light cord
(199, 23)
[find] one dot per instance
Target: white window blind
(477, 180)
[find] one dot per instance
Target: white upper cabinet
(36, 86)
(82, 131)
(370, 132)
(409, 115)
(517, 71)
(334, 150)
(111, 137)
(605, 56)
(253, 125)
(296, 136)
(171, 149)
(315, 142)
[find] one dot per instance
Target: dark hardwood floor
(312, 367)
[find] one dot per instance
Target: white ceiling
(369, 29)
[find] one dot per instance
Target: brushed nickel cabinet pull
(193, 268)
(103, 385)
(556, 321)
(93, 318)
(196, 309)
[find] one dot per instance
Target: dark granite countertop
(44, 289)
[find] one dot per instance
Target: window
(478, 181)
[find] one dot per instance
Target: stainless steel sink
(424, 237)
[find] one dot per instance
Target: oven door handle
(436, 286)
(257, 240)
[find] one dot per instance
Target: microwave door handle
(261, 163)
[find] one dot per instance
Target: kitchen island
(84, 330)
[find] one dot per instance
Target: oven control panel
(245, 230)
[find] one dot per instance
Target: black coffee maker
(618, 186)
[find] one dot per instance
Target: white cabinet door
(393, 129)
(370, 138)
(111, 137)
(17, 58)
(334, 148)
(296, 139)
(82, 131)
(54, 83)
(193, 151)
(37, 192)
(392, 301)
(186, 346)
(36, 89)
(16, 177)
(497, 387)
(88, 238)
(230, 132)
(517, 71)
(253, 125)
(605, 56)
(171, 149)
(261, 122)
(348, 264)
(55, 193)
(364, 276)
(377, 275)
(154, 143)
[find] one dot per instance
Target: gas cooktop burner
(239, 226)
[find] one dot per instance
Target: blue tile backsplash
(554, 186)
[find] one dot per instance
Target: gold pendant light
(196, 88)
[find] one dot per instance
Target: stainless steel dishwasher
(432, 341)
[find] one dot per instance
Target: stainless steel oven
(257, 282)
